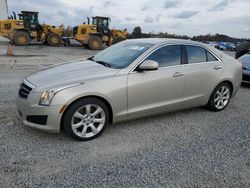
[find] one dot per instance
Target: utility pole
(3, 10)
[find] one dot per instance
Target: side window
(196, 54)
(167, 56)
(210, 57)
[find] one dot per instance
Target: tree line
(137, 33)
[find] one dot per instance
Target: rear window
(210, 57)
(196, 54)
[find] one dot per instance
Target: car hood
(69, 73)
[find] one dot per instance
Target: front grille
(246, 78)
(40, 120)
(24, 90)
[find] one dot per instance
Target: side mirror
(148, 65)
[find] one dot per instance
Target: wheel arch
(224, 81)
(23, 29)
(105, 101)
(229, 83)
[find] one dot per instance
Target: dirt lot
(191, 148)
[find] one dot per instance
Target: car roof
(171, 41)
(156, 41)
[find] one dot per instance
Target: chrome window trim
(161, 46)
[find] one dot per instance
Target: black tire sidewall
(74, 107)
(211, 104)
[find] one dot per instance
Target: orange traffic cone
(10, 49)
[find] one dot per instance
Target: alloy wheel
(88, 121)
(222, 97)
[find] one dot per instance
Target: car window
(167, 56)
(210, 57)
(196, 54)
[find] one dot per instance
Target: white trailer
(3, 10)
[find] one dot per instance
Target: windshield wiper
(99, 62)
(104, 63)
(91, 58)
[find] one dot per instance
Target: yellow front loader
(27, 29)
(97, 33)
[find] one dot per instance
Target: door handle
(217, 67)
(177, 74)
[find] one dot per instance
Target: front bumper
(51, 113)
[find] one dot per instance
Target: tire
(86, 46)
(220, 97)
(53, 39)
(21, 38)
(95, 43)
(83, 124)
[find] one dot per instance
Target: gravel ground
(191, 148)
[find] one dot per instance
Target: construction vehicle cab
(102, 24)
(30, 20)
(27, 28)
(94, 35)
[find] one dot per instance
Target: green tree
(137, 32)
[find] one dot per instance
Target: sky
(183, 17)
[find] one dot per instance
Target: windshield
(122, 54)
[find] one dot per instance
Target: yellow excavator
(27, 29)
(94, 35)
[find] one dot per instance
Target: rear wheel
(220, 97)
(53, 39)
(86, 119)
(21, 38)
(95, 43)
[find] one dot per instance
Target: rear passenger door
(201, 75)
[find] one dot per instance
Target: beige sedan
(131, 79)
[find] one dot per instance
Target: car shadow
(245, 85)
(36, 134)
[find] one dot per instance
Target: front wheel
(95, 43)
(53, 39)
(86, 119)
(220, 97)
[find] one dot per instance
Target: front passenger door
(160, 90)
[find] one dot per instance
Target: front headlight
(47, 96)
